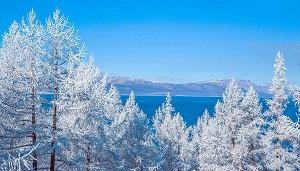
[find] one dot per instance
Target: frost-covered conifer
(172, 136)
(249, 135)
(80, 116)
(220, 145)
(281, 136)
(63, 52)
(199, 134)
(136, 149)
(20, 81)
(295, 91)
(230, 119)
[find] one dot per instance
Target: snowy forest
(57, 112)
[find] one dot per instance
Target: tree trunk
(233, 146)
(277, 146)
(169, 157)
(178, 156)
(88, 157)
(52, 160)
(33, 122)
(252, 155)
(54, 117)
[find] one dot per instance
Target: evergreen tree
(135, 134)
(80, 118)
(172, 136)
(21, 51)
(295, 91)
(229, 118)
(199, 134)
(250, 133)
(220, 141)
(280, 140)
(63, 52)
(54, 108)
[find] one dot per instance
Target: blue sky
(179, 41)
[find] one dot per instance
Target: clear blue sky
(179, 41)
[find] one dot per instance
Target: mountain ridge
(210, 88)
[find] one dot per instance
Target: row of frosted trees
(58, 113)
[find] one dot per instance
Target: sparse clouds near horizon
(179, 41)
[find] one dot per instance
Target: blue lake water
(192, 107)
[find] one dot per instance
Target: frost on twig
(20, 162)
(295, 92)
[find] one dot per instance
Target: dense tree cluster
(58, 113)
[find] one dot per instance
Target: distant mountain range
(213, 88)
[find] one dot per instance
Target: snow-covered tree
(230, 117)
(199, 134)
(220, 139)
(250, 134)
(295, 91)
(55, 108)
(111, 130)
(136, 148)
(20, 84)
(63, 52)
(213, 150)
(79, 119)
(232, 139)
(172, 136)
(281, 136)
(34, 42)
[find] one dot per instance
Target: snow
(84, 126)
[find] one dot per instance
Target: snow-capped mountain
(204, 88)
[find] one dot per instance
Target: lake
(192, 107)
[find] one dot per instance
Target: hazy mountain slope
(204, 88)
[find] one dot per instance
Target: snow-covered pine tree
(220, 144)
(229, 118)
(34, 42)
(136, 148)
(211, 154)
(235, 131)
(250, 133)
(112, 111)
(199, 135)
(63, 52)
(161, 122)
(280, 138)
(20, 91)
(80, 118)
(182, 142)
(295, 91)
(172, 136)
(86, 134)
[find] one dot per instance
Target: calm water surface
(191, 107)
